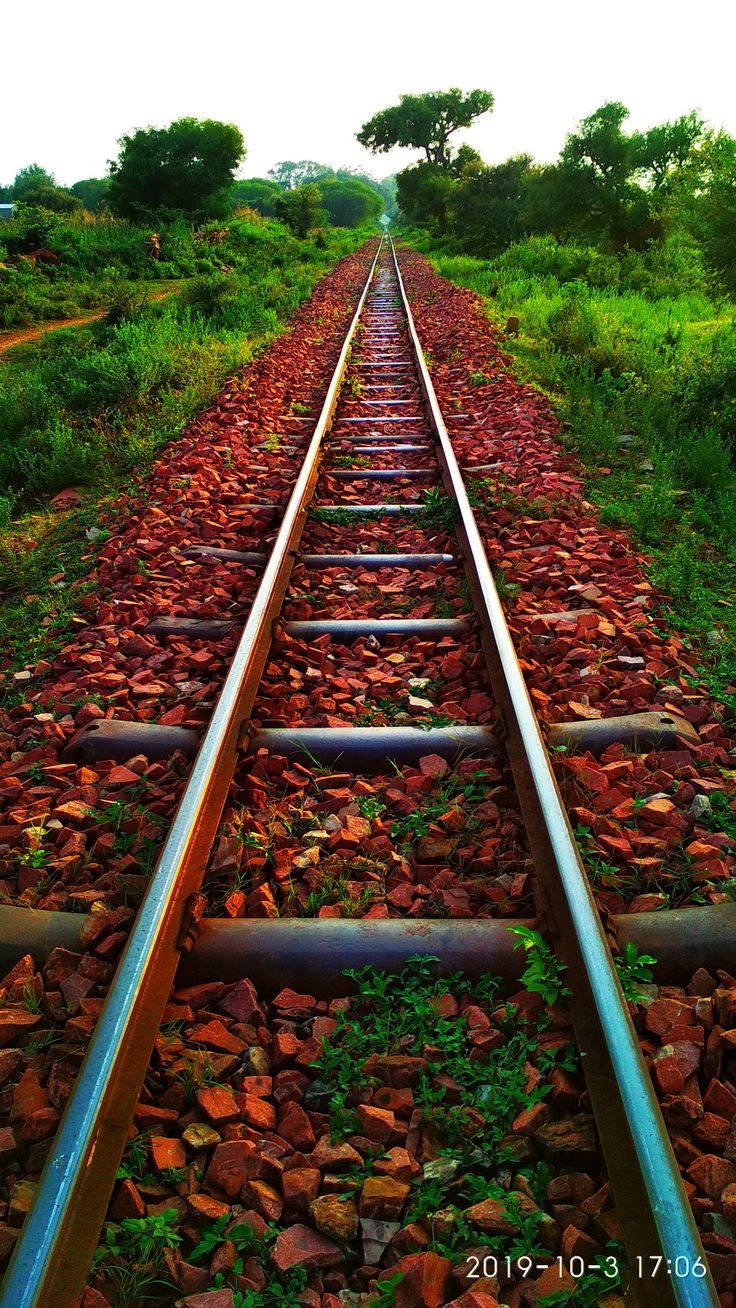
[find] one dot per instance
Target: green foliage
(280, 1289)
(136, 380)
(31, 178)
(634, 969)
(710, 205)
(290, 175)
(425, 193)
(486, 205)
(398, 1013)
(620, 191)
(242, 1236)
(143, 1239)
(255, 193)
(449, 792)
(185, 169)
(133, 1167)
(349, 203)
(612, 184)
(386, 1290)
(543, 972)
(53, 198)
(300, 209)
(722, 817)
(132, 1253)
(92, 192)
(29, 228)
(94, 404)
(425, 122)
(369, 806)
(439, 511)
(632, 343)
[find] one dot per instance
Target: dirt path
(10, 338)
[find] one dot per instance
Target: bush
(30, 228)
(208, 295)
(99, 401)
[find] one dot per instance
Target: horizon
(659, 68)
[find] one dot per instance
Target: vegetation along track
(369, 787)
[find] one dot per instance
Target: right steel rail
(652, 1206)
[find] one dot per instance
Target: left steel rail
(49, 1265)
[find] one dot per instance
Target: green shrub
(571, 324)
(99, 401)
(637, 344)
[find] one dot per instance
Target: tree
(425, 122)
(290, 174)
(184, 170)
(613, 184)
(662, 154)
(30, 179)
(53, 198)
(255, 193)
(349, 203)
(487, 205)
(424, 194)
(300, 209)
(709, 204)
(93, 192)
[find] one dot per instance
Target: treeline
(187, 172)
(612, 188)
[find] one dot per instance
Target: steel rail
(49, 1265)
(651, 1203)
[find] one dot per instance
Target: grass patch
(635, 347)
(94, 405)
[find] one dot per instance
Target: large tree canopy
(31, 178)
(186, 169)
(53, 198)
(290, 173)
(615, 187)
(614, 183)
(92, 191)
(708, 204)
(255, 193)
(349, 203)
(425, 122)
(37, 187)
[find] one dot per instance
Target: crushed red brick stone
(612, 657)
(424, 842)
(344, 1205)
(75, 835)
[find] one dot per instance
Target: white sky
(301, 76)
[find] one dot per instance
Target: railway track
(380, 469)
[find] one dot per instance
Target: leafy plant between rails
(634, 970)
(543, 973)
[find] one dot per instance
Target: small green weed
(634, 969)
(543, 973)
